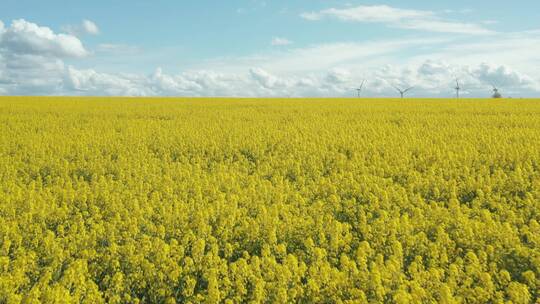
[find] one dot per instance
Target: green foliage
(269, 201)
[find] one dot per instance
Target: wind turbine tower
(496, 93)
(457, 88)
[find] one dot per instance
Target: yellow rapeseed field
(111, 200)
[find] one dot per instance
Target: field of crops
(269, 201)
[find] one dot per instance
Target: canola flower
(111, 200)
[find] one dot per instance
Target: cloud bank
(35, 60)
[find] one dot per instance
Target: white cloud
(31, 58)
(214, 83)
(86, 27)
(375, 13)
(264, 78)
(431, 78)
(268, 81)
(163, 84)
(31, 74)
(90, 27)
(24, 37)
(90, 82)
(436, 78)
(398, 18)
(278, 41)
(501, 75)
(338, 76)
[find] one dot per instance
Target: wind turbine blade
(397, 89)
(408, 89)
(362, 85)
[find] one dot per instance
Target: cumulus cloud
(278, 41)
(432, 68)
(163, 84)
(90, 27)
(265, 79)
(28, 74)
(31, 58)
(255, 82)
(159, 83)
(215, 83)
(86, 27)
(24, 37)
(338, 76)
(90, 82)
(397, 17)
(501, 75)
(429, 79)
(436, 78)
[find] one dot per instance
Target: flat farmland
(126, 200)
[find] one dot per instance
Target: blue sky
(268, 48)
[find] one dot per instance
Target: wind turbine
(402, 92)
(457, 88)
(496, 93)
(359, 90)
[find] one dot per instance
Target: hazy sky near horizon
(269, 48)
